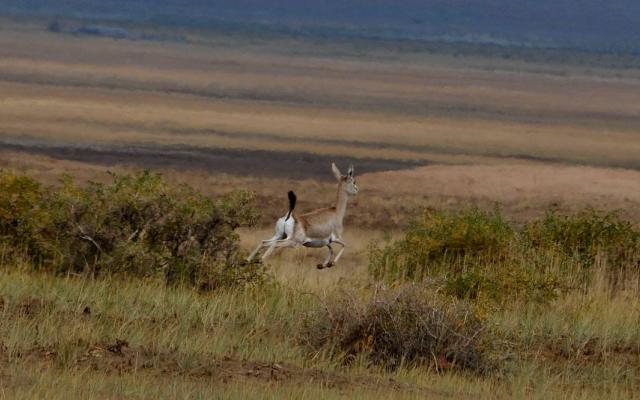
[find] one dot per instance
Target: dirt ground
(238, 162)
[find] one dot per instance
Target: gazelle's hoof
(320, 266)
(329, 265)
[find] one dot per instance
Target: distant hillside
(602, 25)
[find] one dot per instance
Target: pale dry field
(87, 91)
(527, 136)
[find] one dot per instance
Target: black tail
(292, 203)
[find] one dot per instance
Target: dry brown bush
(404, 325)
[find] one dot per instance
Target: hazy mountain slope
(590, 24)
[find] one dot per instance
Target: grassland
(75, 337)
(78, 335)
(222, 112)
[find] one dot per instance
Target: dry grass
(522, 190)
(79, 337)
(480, 121)
(82, 338)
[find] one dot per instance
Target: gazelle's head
(346, 182)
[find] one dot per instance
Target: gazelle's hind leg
(279, 234)
(262, 244)
(276, 244)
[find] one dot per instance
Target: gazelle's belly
(317, 242)
(320, 231)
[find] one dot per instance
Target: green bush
(395, 326)
(443, 240)
(22, 215)
(587, 235)
(137, 224)
(480, 256)
(470, 253)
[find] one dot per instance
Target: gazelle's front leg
(327, 261)
(341, 243)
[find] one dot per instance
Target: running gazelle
(318, 228)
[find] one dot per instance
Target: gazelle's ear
(350, 172)
(336, 171)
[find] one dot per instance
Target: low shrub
(395, 326)
(443, 240)
(137, 224)
(22, 214)
(473, 254)
(587, 235)
(480, 256)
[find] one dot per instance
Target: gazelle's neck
(341, 201)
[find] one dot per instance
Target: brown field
(269, 115)
(81, 91)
